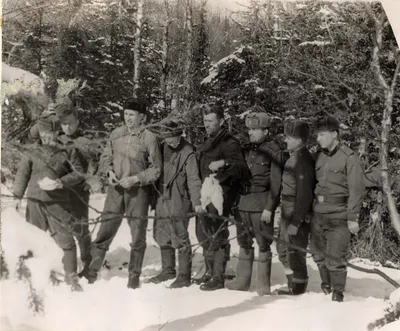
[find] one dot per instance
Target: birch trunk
(388, 91)
(189, 50)
(138, 40)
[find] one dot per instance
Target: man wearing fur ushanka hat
(298, 183)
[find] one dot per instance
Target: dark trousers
(132, 203)
(250, 226)
(330, 240)
(290, 257)
(53, 216)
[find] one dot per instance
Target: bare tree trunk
(189, 50)
(388, 90)
(138, 40)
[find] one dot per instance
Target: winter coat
(132, 154)
(298, 184)
(266, 161)
(179, 185)
(339, 174)
(54, 162)
(223, 146)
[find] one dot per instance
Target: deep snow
(109, 306)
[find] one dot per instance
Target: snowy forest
(300, 60)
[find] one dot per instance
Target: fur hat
(297, 129)
(170, 129)
(328, 123)
(48, 123)
(258, 121)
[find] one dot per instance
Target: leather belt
(252, 189)
(331, 199)
(288, 198)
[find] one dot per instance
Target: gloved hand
(199, 209)
(128, 182)
(292, 230)
(17, 204)
(266, 216)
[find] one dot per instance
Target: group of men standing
(322, 193)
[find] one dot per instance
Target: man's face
(212, 124)
(173, 141)
(292, 143)
(133, 119)
(257, 135)
(48, 137)
(326, 138)
(69, 124)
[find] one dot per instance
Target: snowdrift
(108, 305)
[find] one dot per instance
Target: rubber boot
(208, 261)
(167, 266)
(96, 263)
(264, 273)
(244, 271)
(289, 291)
(73, 280)
(338, 279)
(217, 280)
(135, 267)
(325, 279)
(185, 268)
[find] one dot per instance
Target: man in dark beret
(339, 194)
(258, 204)
(178, 194)
(298, 183)
(132, 162)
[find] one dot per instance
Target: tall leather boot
(325, 279)
(338, 284)
(217, 280)
(208, 261)
(96, 263)
(185, 268)
(299, 286)
(244, 271)
(167, 266)
(264, 273)
(135, 267)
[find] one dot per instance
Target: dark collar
(332, 152)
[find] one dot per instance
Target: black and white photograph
(200, 165)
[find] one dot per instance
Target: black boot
(299, 287)
(167, 266)
(217, 280)
(325, 279)
(185, 268)
(244, 271)
(86, 257)
(338, 284)
(289, 291)
(264, 273)
(135, 267)
(97, 258)
(208, 261)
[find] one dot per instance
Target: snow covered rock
(211, 192)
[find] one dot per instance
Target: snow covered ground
(108, 305)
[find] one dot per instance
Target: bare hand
(266, 216)
(18, 205)
(215, 165)
(199, 209)
(353, 227)
(128, 182)
(292, 230)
